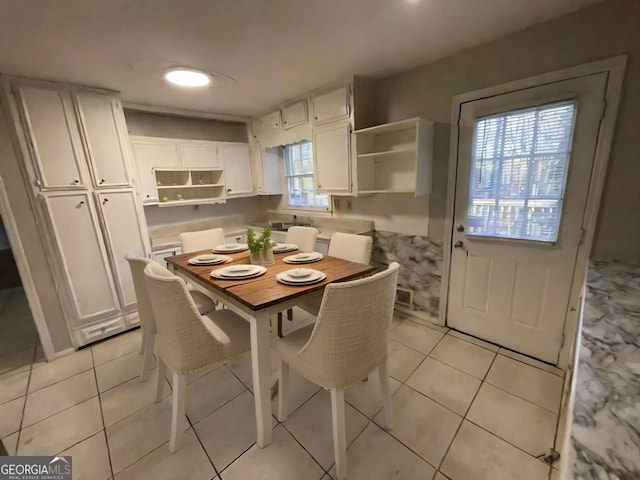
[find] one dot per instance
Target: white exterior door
(524, 166)
(53, 136)
(237, 169)
(82, 255)
(124, 229)
(102, 123)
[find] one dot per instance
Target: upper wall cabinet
(330, 105)
(237, 169)
(53, 137)
(271, 122)
(395, 158)
(199, 155)
(332, 158)
(150, 154)
(102, 122)
(294, 114)
(267, 170)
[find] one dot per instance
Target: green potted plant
(260, 247)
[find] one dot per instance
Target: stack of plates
(303, 258)
(300, 276)
(238, 272)
(284, 247)
(209, 259)
(231, 248)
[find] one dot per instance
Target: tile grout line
(104, 428)
(26, 392)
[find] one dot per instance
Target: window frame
(315, 207)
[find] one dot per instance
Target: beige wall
(30, 239)
(604, 30)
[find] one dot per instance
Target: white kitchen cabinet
(236, 162)
(267, 170)
(199, 155)
(294, 114)
(322, 246)
(394, 158)
(160, 255)
(103, 126)
(332, 158)
(53, 136)
(81, 256)
(149, 155)
(271, 122)
(122, 219)
(177, 186)
(238, 238)
(330, 105)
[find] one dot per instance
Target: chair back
(184, 342)
(351, 334)
(202, 240)
(137, 263)
(303, 237)
(347, 246)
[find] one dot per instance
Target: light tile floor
(463, 411)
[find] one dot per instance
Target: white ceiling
(274, 49)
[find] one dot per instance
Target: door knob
(460, 228)
(458, 244)
(102, 181)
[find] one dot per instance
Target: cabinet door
(240, 238)
(270, 122)
(149, 156)
(331, 105)
(237, 169)
(196, 155)
(124, 228)
(160, 255)
(52, 132)
(103, 124)
(332, 158)
(294, 114)
(267, 170)
(82, 255)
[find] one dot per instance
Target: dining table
(258, 300)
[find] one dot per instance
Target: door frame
(615, 67)
(26, 277)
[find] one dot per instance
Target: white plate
(300, 272)
(303, 258)
(209, 259)
(261, 271)
(285, 247)
(231, 248)
(236, 271)
(314, 277)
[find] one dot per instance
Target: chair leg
(290, 314)
(386, 395)
(339, 433)
(149, 341)
(178, 405)
(280, 335)
(283, 387)
(161, 371)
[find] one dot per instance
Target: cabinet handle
(319, 186)
(148, 196)
(285, 122)
(315, 118)
(81, 203)
(102, 180)
(105, 201)
(228, 190)
(76, 182)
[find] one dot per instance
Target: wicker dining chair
(188, 341)
(202, 240)
(349, 340)
(137, 263)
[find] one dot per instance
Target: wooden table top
(265, 291)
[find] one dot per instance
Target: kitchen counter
(605, 430)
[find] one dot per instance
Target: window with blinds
(298, 168)
(519, 171)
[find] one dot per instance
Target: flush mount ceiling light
(187, 77)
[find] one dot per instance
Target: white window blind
(299, 175)
(519, 170)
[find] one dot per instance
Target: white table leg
(260, 364)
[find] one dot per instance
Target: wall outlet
(404, 297)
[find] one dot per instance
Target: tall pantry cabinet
(76, 159)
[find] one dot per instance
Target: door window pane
(518, 172)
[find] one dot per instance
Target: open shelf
(395, 158)
(189, 186)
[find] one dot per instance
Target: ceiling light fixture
(187, 77)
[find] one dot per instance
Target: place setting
(208, 259)
(231, 248)
(238, 272)
(284, 247)
(300, 276)
(301, 258)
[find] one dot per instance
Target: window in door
(298, 166)
(519, 171)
